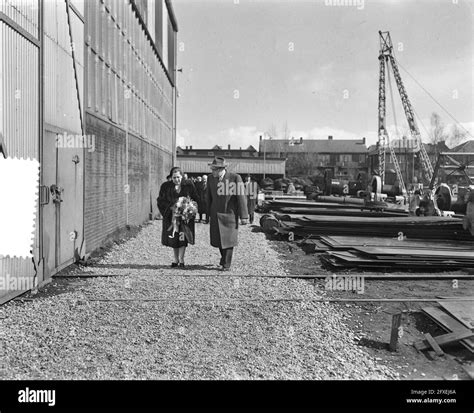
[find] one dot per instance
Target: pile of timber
(457, 320)
(377, 253)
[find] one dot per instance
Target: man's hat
(218, 162)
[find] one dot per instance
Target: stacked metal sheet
(391, 254)
(446, 228)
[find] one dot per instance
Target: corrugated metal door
(64, 143)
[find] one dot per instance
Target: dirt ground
(371, 321)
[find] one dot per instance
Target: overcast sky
(251, 64)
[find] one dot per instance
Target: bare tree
(437, 133)
(285, 131)
(457, 135)
(301, 164)
(272, 131)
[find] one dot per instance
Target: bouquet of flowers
(184, 210)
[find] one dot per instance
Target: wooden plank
(448, 323)
(445, 339)
(434, 345)
(463, 312)
(469, 369)
(395, 331)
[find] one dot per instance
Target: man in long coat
(227, 202)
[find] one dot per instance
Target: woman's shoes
(177, 264)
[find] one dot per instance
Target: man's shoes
(225, 268)
(174, 264)
(181, 265)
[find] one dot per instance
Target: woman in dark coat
(169, 194)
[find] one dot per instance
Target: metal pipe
(41, 127)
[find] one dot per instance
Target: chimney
(228, 147)
(301, 141)
(186, 148)
(191, 148)
(330, 137)
(363, 140)
(260, 137)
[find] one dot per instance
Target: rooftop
(329, 145)
(464, 147)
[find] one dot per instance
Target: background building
(407, 152)
(88, 89)
(195, 162)
(346, 157)
(466, 147)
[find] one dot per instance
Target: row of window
(325, 157)
(126, 82)
(211, 153)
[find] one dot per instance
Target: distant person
(201, 189)
(291, 189)
(227, 203)
(251, 191)
(427, 207)
(414, 201)
(468, 219)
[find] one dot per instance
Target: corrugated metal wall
(19, 110)
(25, 13)
(61, 107)
(19, 116)
(129, 105)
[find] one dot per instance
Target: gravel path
(155, 322)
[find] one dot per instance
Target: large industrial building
(88, 89)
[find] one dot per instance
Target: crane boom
(386, 57)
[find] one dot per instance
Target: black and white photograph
(226, 194)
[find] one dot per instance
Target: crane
(386, 58)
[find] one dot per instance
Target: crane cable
(432, 97)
